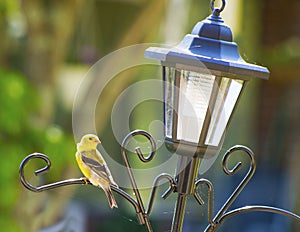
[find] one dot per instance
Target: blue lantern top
(209, 46)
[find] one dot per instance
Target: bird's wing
(96, 167)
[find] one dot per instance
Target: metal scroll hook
(210, 197)
(40, 171)
(143, 217)
(240, 187)
(232, 171)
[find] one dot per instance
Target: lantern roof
(209, 46)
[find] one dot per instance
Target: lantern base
(191, 149)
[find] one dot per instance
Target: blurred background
(46, 49)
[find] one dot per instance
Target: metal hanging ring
(217, 11)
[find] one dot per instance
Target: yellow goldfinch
(94, 167)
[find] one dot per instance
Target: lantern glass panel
(198, 106)
(169, 101)
(194, 97)
(228, 94)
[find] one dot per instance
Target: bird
(94, 167)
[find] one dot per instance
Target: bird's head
(88, 142)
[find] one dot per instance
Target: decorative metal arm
(234, 170)
(210, 197)
(258, 208)
(171, 189)
(138, 205)
(142, 214)
(64, 182)
(222, 215)
(42, 171)
(142, 218)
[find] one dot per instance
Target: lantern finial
(217, 11)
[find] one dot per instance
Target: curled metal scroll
(210, 197)
(171, 189)
(42, 171)
(215, 222)
(234, 170)
(144, 215)
(222, 214)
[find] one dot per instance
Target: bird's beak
(98, 141)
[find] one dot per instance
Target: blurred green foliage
(19, 134)
(17, 99)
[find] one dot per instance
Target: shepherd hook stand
(214, 222)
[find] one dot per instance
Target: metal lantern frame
(209, 47)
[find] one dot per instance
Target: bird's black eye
(90, 138)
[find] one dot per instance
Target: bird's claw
(86, 180)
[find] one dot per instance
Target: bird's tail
(110, 197)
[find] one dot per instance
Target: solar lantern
(204, 77)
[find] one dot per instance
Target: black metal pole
(187, 172)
